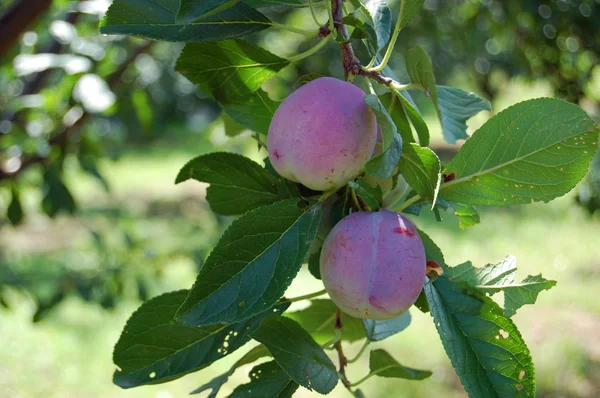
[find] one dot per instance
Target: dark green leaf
(267, 380)
(371, 196)
(493, 278)
(215, 384)
(379, 330)
(232, 128)
(485, 348)
(432, 251)
(254, 111)
(228, 69)
(154, 349)
(408, 10)
(190, 10)
(319, 321)
(275, 3)
(381, 15)
(396, 111)
(157, 20)
(420, 70)
(14, 212)
(422, 303)
(297, 353)
(533, 151)
(237, 184)
(456, 107)
(57, 197)
(382, 364)
(416, 119)
(422, 170)
(384, 164)
(253, 263)
(314, 264)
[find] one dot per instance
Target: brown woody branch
(63, 136)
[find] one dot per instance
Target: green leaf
(408, 10)
(420, 70)
(237, 184)
(467, 215)
(384, 164)
(232, 128)
(371, 196)
(396, 111)
(456, 107)
(190, 10)
(57, 197)
(493, 278)
(157, 20)
(297, 353)
(381, 15)
(533, 151)
(379, 330)
(422, 170)
(254, 111)
(253, 263)
(14, 212)
(416, 119)
(228, 69)
(485, 348)
(266, 380)
(319, 321)
(382, 364)
(154, 349)
(276, 3)
(432, 251)
(314, 264)
(215, 384)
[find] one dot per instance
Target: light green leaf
(536, 150)
(229, 69)
(237, 184)
(408, 10)
(157, 20)
(493, 278)
(275, 3)
(232, 128)
(422, 170)
(371, 196)
(381, 15)
(297, 353)
(154, 349)
(382, 364)
(254, 111)
(420, 70)
(456, 107)
(467, 215)
(319, 321)
(485, 348)
(215, 384)
(266, 380)
(190, 10)
(253, 263)
(379, 330)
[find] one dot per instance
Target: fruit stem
(407, 203)
(362, 350)
(310, 51)
(293, 29)
(306, 296)
(363, 379)
(312, 11)
(355, 200)
(331, 343)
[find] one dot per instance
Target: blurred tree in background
(70, 97)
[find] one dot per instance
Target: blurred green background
(94, 129)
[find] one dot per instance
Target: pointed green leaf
(298, 354)
(314, 264)
(232, 128)
(383, 365)
(381, 15)
(408, 10)
(485, 348)
(14, 212)
(371, 196)
(396, 111)
(536, 150)
(157, 20)
(319, 321)
(416, 119)
(493, 278)
(420, 70)
(154, 349)
(254, 111)
(228, 69)
(190, 10)
(253, 263)
(215, 384)
(266, 380)
(456, 107)
(422, 170)
(379, 330)
(384, 164)
(57, 197)
(237, 184)
(467, 215)
(275, 3)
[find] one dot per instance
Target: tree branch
(63, 136)
(16, 20)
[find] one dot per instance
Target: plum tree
(322, 134)
(373, 264)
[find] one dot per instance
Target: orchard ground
(67, 354)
